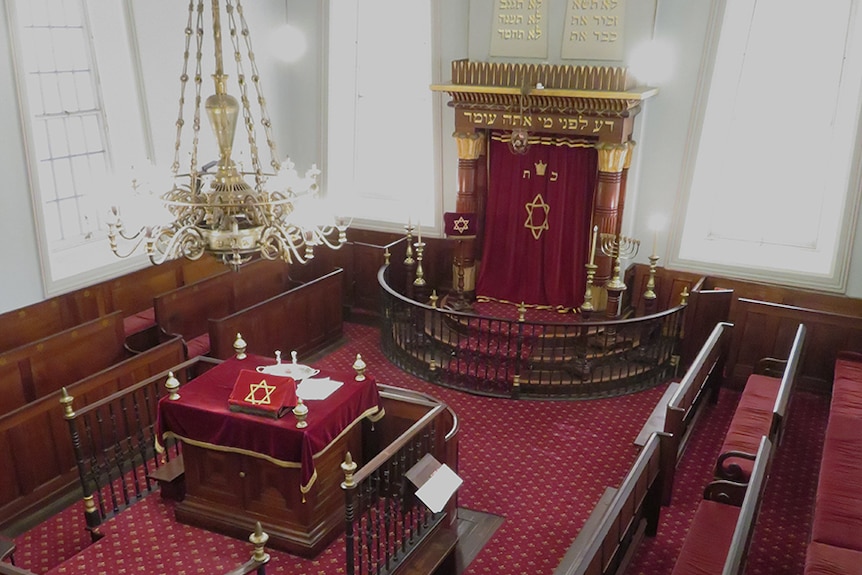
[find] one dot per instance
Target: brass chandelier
(220, 212)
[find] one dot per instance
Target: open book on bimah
(435, 482)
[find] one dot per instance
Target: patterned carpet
(542, 465)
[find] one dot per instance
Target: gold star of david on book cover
(253, 390)
(539, 209)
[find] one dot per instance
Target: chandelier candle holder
(231, 214)
(617, 247)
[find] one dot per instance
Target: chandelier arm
(117, 229)
(322, 237)
(169, 243)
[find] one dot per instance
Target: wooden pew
(131, 293)
(37, 369)
(608, 540)
(304, 319)
(722, 527)
(185, 311)
(35, 451)
(700, 384)
(42, 319)
(762, 410)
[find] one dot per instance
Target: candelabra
(618, 247)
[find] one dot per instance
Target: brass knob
(242, 473)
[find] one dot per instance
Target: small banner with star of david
(460, 224)
(262, 393)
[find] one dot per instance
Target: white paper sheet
(439, 488)
(317, 388)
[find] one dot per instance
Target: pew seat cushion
(838, 505)
(199, 345)
(823, 559)
(751, 421)
(847, 387)
(705, 548)
(139, 322)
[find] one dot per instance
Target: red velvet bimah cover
(201, 417)
(262, 393)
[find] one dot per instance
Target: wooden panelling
(766, 329)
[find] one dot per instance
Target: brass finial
(522, 311)
(172, 385)
(239, 346)
(301, 413)
(259, 539)
(359, 366)
(434, 297)
(683, 297)
(66, 401)
(386, 256)
(348, 467)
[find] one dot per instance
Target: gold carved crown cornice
(569, 99)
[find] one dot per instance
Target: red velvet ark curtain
(537, 222)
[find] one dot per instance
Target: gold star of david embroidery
(533, 208)
(267, 393)
(461, 225)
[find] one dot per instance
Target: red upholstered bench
(836, 532)
(720, 532)
(761, 411)
(139, 322)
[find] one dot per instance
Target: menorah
(618, 247)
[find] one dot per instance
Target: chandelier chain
(196, 122)
(248, 120)
(184, 79)
(255, 78)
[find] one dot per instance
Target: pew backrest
(303, 319)
(635, 506)
(788, 383)
(748, 512)
(701, 381)
(46, 365)
(40, 320)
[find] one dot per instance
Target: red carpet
(541, 465)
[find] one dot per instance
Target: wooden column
(606, 204)
(471, 146)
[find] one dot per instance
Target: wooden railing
(114, 443)
(386, 525)
(512, 358)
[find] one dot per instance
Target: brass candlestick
(650, 286)
(587, 306)
(408, 254)
(420, 274)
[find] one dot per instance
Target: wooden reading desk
(242, 468)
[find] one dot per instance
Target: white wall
(296, 97)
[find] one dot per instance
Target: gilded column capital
(470, 145)
(631, 152)
(613, 157)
